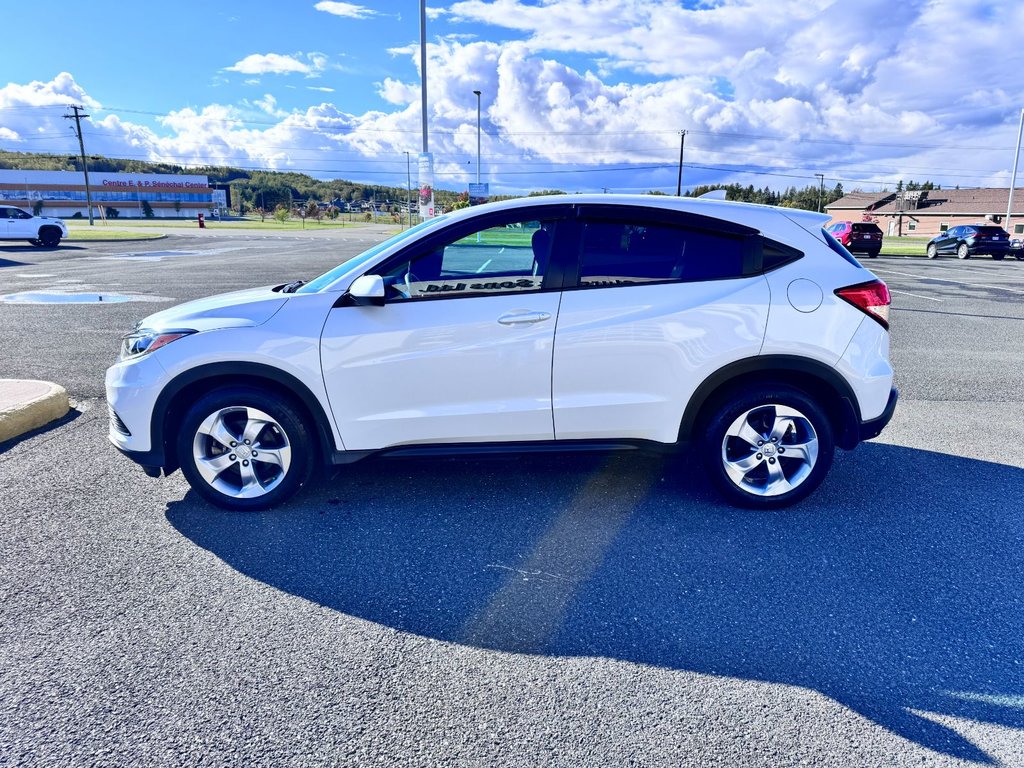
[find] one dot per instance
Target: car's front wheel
(963, 252)
(932, 251)
(50, 237)
(244, 449)
(768, 449)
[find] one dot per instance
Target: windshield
(327, 278)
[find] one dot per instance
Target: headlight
(144, 341)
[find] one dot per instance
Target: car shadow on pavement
(895, 590)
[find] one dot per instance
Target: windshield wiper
(293, 286)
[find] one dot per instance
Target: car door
(948, 240)
(657, 302)
(461, 349)
(20, 224)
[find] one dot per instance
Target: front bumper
(873, 427)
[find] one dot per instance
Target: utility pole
(1013, 178)
(408, 189)
(821, 189)
(679, 181)
(81, 146)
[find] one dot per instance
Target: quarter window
(511, 258)
(618, 253)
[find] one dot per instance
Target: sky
(576, 95)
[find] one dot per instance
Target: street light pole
(477, 136)
(1013, 178)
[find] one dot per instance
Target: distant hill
(255, 189)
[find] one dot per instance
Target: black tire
(872, 254)
(963, 252)
(998, 256)
(932, 251)
(274, 425)
(49, 237)
(767, 479)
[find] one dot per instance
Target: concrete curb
(27, 404)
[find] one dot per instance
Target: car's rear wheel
(932, 251)
(768, 449)
(998, 256)
(243, 449)
(963, 252)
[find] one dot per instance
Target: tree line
(272, 190)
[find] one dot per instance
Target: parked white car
(16, 224)
(564, 322)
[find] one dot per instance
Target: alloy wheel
(769, 450)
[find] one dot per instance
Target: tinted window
(623, 253)
(511, 258)
(873, 228)
(775, 255)
(989, 231)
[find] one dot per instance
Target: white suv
(568, 322)
(16, 224)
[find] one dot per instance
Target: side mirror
(367, 290)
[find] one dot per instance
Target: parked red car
(857, 236)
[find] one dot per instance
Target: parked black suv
(970, 240)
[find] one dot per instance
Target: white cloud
(348, 10)
(789, 87)
(279, 64)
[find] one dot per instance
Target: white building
(62, 194)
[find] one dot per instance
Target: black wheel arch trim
(844, 408)
(158, 455)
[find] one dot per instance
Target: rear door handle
(524, 317)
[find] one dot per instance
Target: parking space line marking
(954, 282)
(915, 295)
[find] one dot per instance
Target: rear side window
(775, 255)
(623, 253)
(872, 228)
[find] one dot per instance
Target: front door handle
(524, 317)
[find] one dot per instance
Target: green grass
(904, 246)
(246, 223)
(78, 234)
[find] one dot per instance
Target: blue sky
(576, 94)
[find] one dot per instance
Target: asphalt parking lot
(532, 611)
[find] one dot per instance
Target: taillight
(871, 298)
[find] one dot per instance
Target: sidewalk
(26, 405)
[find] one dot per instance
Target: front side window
(626, 253)
(508, 258)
